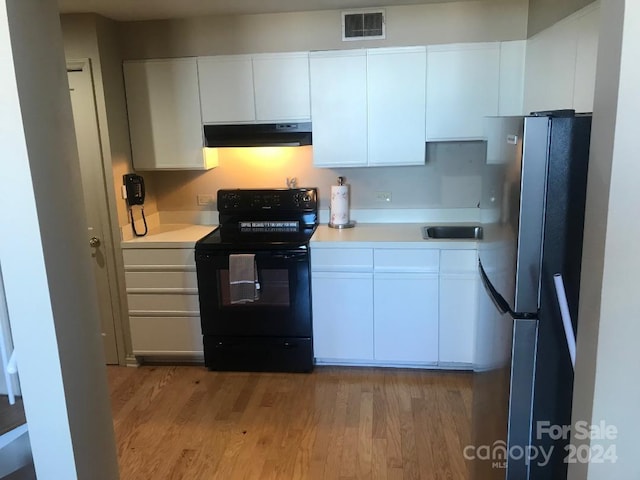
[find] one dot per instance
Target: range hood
(258, 135)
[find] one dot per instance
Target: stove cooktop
(263, 219)
(240, 238)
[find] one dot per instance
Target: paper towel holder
(350, 223)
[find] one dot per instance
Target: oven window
(274, 289)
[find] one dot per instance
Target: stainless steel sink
(452, 232)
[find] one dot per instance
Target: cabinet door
(550, 68)
(342, 316)
(163, 105)
(459, 283)
(586, 59)
(406, 317)
(462, 88)
(281, 84)
(339, 107)
(166, 335)
(458, 313)
(512, 56)
(226, 89)
(396, 80)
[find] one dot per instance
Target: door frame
(110, 226)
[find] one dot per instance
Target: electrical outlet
(204, 199)
(383, 197)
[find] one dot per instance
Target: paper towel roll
(340, 204)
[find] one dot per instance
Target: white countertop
(170, 236)
(387, 235)
(363, 235)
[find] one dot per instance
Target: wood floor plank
(179, 422)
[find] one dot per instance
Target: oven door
(284, 304)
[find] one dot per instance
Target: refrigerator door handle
(501, 304)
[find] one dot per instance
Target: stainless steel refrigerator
(532, 207)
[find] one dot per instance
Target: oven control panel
(289, 200)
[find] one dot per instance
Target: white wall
(96, 38)
(45, 259)
(451, 178)
(544, 13)
(449, 22)
(606, 381)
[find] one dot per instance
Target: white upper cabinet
(551, 59)
(339, 107)
(281, 85)
(368, 107)
(163, 105)
(462, 88)
(561, 64)
(586, 59)
(254, 88)
(512, 57)
(396, 105)
(226, 89)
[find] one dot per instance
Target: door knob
(94, 242)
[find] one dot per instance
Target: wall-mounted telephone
(134, 186)
(134, 192)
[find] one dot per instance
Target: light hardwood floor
(336, 423)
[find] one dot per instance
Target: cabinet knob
(94, 242)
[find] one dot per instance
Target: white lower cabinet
(458, 311)
(375, 305)
(162, 294)
(459, 282)
(406, 317)
(343, 315)
(395, 306)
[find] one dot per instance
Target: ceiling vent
(363, 25)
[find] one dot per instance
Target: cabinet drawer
(150, 303)
(166, 335)
(417, 260)
(155, 280)
(458, 261)
(342, 259)
(158, 256)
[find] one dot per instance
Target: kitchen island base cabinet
(406, 317)
(343, 316)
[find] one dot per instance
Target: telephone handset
(134, 190)
(134, 185)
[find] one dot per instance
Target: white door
(95, 199)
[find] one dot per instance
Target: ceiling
(129, 10)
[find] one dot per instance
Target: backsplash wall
(450, 178)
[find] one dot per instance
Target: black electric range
(272, 330)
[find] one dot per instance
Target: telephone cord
(133, 223)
